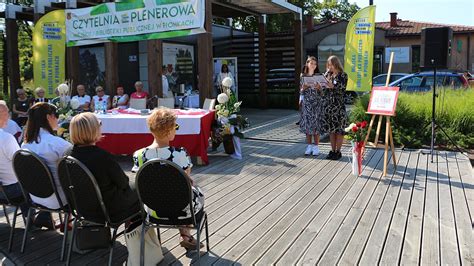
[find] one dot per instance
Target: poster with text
(383, 101)
(220, 63)
(178, 67)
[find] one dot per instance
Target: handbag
(90, 236)
(153, 253)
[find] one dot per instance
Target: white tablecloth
(191, 101)
(136, 124)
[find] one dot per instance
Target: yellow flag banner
(49, 51)
(359, 50)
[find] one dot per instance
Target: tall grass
(454, 114)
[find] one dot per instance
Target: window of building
(331, 45)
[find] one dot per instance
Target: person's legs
(15, 194)
(339, 140)
(316, 139)
(332, 153)
(309, 148)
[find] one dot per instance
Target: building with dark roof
(402, 36)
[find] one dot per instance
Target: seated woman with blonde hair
(120, 200)
(162, 124)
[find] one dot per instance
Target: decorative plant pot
(228, 144)
(357, 150)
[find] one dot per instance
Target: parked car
(420, 82)
(281, 78)
(381, 79)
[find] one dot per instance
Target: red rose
(358, 124)
(363, 124)
(354, 129)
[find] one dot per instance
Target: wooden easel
(388, 130)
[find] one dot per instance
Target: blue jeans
(15, 195)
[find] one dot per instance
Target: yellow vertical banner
(359, 50)
(49, 51)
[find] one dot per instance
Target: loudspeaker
(436, 45)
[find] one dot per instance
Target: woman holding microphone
(335, 110)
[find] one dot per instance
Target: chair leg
(12, 229)
(25, 234)
(111, 254)
(158, 234)
(198, 245)
(207, 233)
(63, 246)
(142, 244)
(6, 215)
(71, 244)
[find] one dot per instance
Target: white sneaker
(309, 149)
(315, 150)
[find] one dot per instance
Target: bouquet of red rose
(356, 133)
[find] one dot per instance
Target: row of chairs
(169, 103)
(161, 185)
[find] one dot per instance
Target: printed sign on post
(383, 101)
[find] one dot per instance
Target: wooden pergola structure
(214, 8)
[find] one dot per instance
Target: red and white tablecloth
(126, 132)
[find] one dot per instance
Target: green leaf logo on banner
(100, 9)
(168, 2)
(129, 5)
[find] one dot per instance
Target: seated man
(13, 128)
(9, 146)
(83, 98)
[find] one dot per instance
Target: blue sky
(459, 12)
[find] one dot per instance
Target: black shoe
(330, 155)
(297, 123)
(337, 155)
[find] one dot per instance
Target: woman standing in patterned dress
(311, 108)
(335, 110)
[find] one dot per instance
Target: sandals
(189, 242)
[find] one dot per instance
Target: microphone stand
(181, 105)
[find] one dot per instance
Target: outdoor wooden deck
(278, 207)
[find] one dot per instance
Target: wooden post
(298, 55)
(12, 55)
(205, 62)
(155, 64)
(262, 64)
(111, 67)
(72, 66)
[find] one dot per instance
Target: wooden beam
(262, 64)
(13, 56)
(72, 66)
(111, 67)
(155, 64)
(298, 55)
(205, 62)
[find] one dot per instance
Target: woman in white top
(221, 76)
(100, 100)
(121, 99)
(40, 139)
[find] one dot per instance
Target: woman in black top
(20, 107)
(335, 109)
(120, 200)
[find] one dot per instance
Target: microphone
(182, 101)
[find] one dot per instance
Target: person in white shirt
(13, 128)
(167, 93)
(9, 146)
(83, 98)
(121, 99)
(40, 139)
(39, 96)
(101, 100)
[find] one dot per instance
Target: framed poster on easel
(231, 63)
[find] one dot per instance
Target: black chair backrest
(164, 187)
(34, 176)
(82, 191)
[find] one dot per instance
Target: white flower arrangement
(75, 104)
(227, 82)
(222, 98)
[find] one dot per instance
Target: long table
(125, 133)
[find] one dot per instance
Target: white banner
(122, 21)
(401, 54)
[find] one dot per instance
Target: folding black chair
(36, 179)
(14, 202)
(83, 194)
(164, 187)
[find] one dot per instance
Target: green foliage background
(411, 125)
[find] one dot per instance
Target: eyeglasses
(177, 127)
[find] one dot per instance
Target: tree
(332, 11)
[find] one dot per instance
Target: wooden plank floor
(276, 206)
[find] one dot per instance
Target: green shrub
(454, 113)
